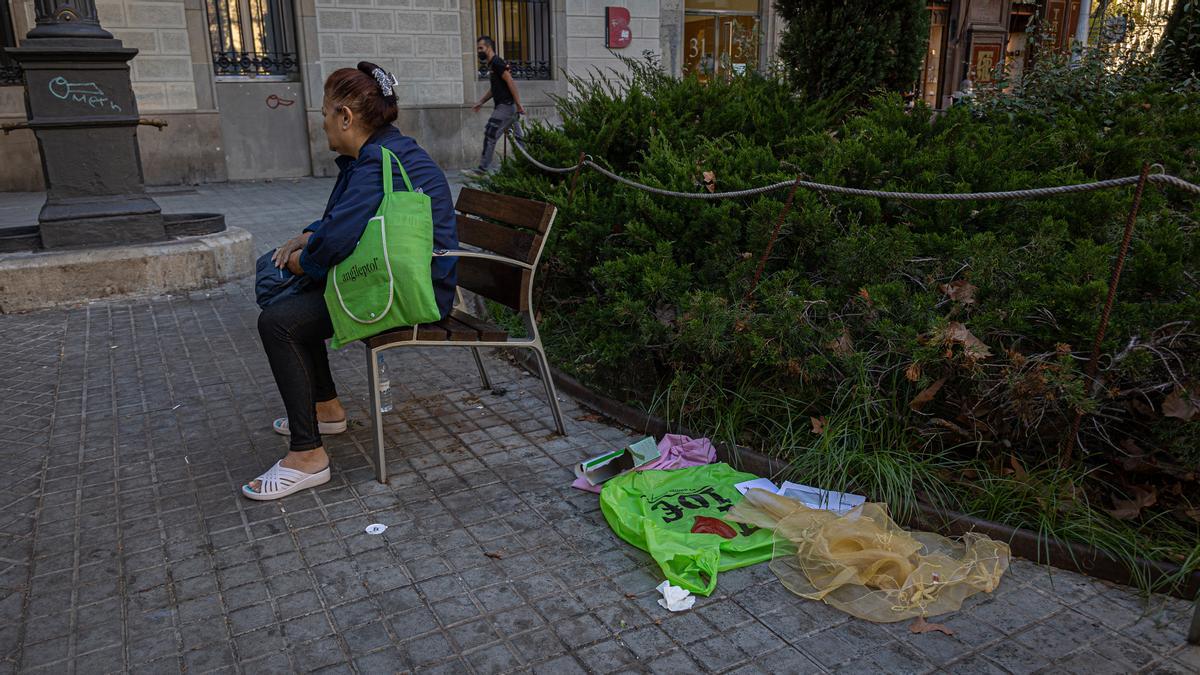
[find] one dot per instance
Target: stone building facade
(239, 81)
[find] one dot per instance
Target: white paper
(675, 598)
(761, 483)
(825, 500)
(376, 528)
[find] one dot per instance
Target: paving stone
(788, 661)
(563, 665)
(517, 620)
(975, 665)
(580, 630)
(388, 660)
(1123, 650)
(496, 658)
(607, 657)
(838, 645)
(1016, 658)
(675, 662)
(1093, 663)
(647, 643)
(429, 649)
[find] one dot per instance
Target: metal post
(80, 103)
(1093, 362)
(67, 19)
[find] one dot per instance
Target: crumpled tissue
(675, 598)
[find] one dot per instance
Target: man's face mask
(482, 55)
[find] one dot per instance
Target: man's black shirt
(500, 93)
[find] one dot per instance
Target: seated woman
(359, 108)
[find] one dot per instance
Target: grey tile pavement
(125, 546)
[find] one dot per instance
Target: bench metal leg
(551, 397)
(376, 416)
(1193, 636)
(483, 377)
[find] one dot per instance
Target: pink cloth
(676, 452)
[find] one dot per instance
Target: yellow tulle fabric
(866, 565)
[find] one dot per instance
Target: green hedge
(865, 304)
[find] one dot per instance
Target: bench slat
(459, 331)
(494, 280)
(514, 211)
(426, 331)
(507, 241)
(487, 332)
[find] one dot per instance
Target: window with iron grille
(253, 38)
(521, 29)
(10, 72)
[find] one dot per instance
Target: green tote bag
(678, 517)
(386, 282)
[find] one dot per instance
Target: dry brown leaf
(1128, 509)
(1062, 349)
(926, 395)
(913, 373)
(960, 291)
(494, 555)
(818, 424)
(956, 333)
(923, 626)
(1181, 404)
(1192, 513)
(1137, 461)
(865, 295)
(589, 417)
(1018, 469)
(843, 346)
(710, 181)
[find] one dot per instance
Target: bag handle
(387, 262)
(387, 158)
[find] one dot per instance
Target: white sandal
(280, 481)
(324, 428)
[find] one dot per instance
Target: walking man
(504, 93)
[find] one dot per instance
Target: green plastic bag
(657, 512)
(386, 282)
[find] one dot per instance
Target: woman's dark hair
(359, 90)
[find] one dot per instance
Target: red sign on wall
(618, 35)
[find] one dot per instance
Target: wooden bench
(504, 236)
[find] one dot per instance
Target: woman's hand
(293, 264)
(294, 245)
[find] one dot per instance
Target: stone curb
(43, 279)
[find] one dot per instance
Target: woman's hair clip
(387, 82)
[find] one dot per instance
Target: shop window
(252, 38)
(521, 29)
(721, 38)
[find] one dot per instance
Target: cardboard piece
(612, 464)
(816, 498)
(760, 483)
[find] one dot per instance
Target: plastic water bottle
(385, 387)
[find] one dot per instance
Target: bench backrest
(508, 226)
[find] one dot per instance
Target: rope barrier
(1031, 193)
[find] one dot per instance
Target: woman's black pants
(293, 332)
